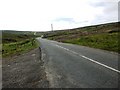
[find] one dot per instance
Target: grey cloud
(97, 4)
(110, 12)
(65, 19)
(108, 6)
(70, 20)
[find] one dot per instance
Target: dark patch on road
(24, 71)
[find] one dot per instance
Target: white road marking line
(91, 59)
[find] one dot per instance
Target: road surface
(73, 66)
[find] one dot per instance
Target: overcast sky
(38, 15)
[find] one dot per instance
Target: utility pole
(52, 27)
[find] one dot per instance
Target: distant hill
(62, 35)
(104, 36)
(17, 32)
(15, 36)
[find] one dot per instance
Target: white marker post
(52, 27)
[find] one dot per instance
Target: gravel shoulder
(24, 71)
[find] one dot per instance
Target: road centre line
(108, 67)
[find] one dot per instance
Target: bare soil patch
(24, 71)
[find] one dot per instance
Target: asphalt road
(73, 66)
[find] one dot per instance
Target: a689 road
(73, 66)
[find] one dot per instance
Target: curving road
(73, 66)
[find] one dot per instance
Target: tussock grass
(18, 47)
(105, 41)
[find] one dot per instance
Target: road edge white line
(90, 59)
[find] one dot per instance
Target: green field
(18, 47)
(15, 36)
(104, 41)
(15, 43)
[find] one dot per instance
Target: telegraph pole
(52, 27)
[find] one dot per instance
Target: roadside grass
(105, 41)
(11, 37)
(18, 47)
(0, 51)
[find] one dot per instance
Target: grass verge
(18, 47)
(105, 41)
